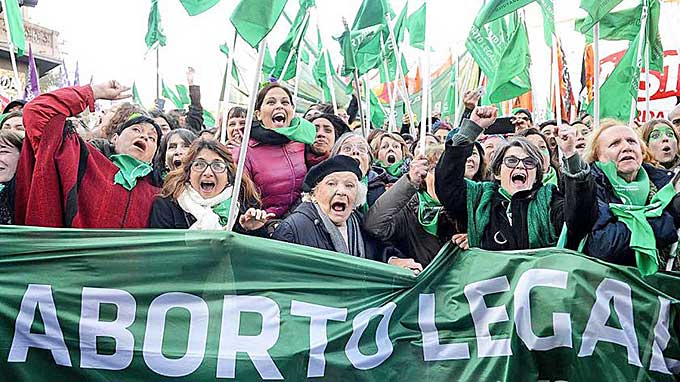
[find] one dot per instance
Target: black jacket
(377, 179)
(167, 213)
(575, 205)
(304, 227)
(194, 118)
(610, 238)
(7, 203)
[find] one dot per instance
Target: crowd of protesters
(314, 179)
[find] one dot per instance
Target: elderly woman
(355, 146)
(662, 140)
(329, 127)
(62, 181)
(172, 149)
(516, 210)
(10, 149)
(327, 219)
(197, 195)
(551, 174)
(638, 207)
(410, 215)
(275, 160)
(390, 153)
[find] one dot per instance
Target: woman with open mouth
(516, 210)
(328, 218)
(172, 149)
(639, 209)
(582, 133)
(197, 195)
(390, 152)
(275, 160)
(662, 139)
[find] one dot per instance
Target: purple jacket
(278, 172)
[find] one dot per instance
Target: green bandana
(662, 131)
(222, 210)
(300, 130)
(633, 193)
(364, 207)
(2, 187)
(131, 169)
(550, 177)
(394, 169)
(428, 212)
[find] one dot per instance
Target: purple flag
(76, 76)
(32, 86)
(64, 81)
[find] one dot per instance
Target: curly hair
(122, 114)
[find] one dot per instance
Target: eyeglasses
(217, 167)
(519, 117)
(512, 162)
(349, 148)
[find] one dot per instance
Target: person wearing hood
(515, 210)
(275, 159)
(390, 152)
(329, 127)
(375, 178)
(197, 194)
(327, 218)
(10, 149)
(63, 181)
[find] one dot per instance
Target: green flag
(371, 12)
(135, 94)
(16, 25)
(621, 87)
(288, 51)
(364, 47)
(511, 78)
(451, 100)
(183, 94)
(268, 63)
(391, 63)
(169, 94)
(400, 25)
(196, 7)
(495, 9)
(234, 70)
(596, 10)
(625, 25)
(377, 112)
(548, 11)
(254, 19)
(154, 32)
(319, 72)
(416, 27)
(208, 119)
(304, 55)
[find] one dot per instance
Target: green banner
(161, 305)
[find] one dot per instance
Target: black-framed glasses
(512, 162)
(217, 167)
(349, 148)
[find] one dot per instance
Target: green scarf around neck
(300, 130)
(428, 212)
(541, 230)
(222, 210)
(130, 170)
(635, 193)
(393, 169)
(550, 177)
(635, 211)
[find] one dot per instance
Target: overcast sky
(107, 37)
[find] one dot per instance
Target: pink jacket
(278, 172)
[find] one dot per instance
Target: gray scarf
(356, 241)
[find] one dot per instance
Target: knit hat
(525, 112)
(13, 104)
(136, 119)
(338, 163)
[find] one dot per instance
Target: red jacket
(278, 172)
(63, 181)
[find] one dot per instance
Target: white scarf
(192, 202)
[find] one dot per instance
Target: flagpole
(368, 103)
(596, 74)
(329, 81)
(234, 206)
(400, 74)
(294, 49)
(297, 79)
(641, 40)
(455, 87)
(17, 84)
(425, 94)
(364, 131)
(158, 75)
(647, 95)
(225, 94)
(390, 122)
(557, 86)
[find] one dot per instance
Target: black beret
(338, 163)
(136, 119)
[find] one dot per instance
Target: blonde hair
(646, 131)
(377, 142)
(592, 150)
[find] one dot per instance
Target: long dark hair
(159, 160)
(263, 93)
(177, 179)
